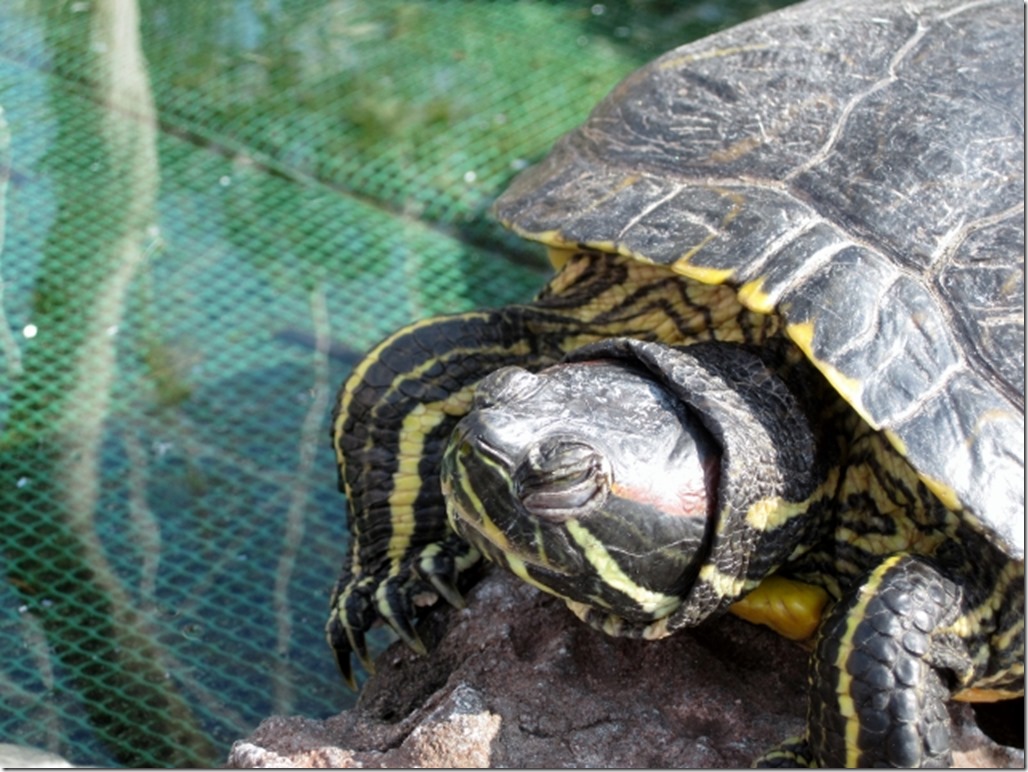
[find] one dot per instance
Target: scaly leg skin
(392, 420)
(395, 413)
(877, 694)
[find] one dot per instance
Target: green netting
(211, 209)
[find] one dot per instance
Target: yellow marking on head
(492, 532)
(520, 569)
(540, 545)
(656, 604)
(752, 295)
(483, 524)
(790, 608)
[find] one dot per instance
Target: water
(211, 210)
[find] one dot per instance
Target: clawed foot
(392, 594)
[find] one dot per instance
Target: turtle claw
(352, 613)
(355, 638)
(391, 595)
(441, 563)
(393, 602)
(447, 590)
(341, 649)
(346, 669)
(409, 636)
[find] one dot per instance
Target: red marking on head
(681, 498)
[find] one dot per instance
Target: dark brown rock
(515, 680)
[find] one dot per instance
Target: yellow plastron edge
(790, 608)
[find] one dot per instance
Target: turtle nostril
(508, 384)
(560, 479)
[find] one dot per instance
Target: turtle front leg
(395, 413)
(391, 423)
(885, 660)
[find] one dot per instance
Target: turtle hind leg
(877, 689)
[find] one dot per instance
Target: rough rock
(514, 680)
(26, 757)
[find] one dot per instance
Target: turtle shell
(862, 177)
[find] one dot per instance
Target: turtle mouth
(481, 445)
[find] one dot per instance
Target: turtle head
(590, 480)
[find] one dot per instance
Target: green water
(211, 209)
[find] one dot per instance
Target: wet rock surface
(516, 680)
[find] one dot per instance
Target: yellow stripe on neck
(656, 604)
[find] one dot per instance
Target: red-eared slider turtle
(794, 255)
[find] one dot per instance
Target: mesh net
(211, 210)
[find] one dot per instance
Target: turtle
(779, 364)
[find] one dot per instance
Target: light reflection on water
(211, 209)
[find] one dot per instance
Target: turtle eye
(560, 479)
(508, 384)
